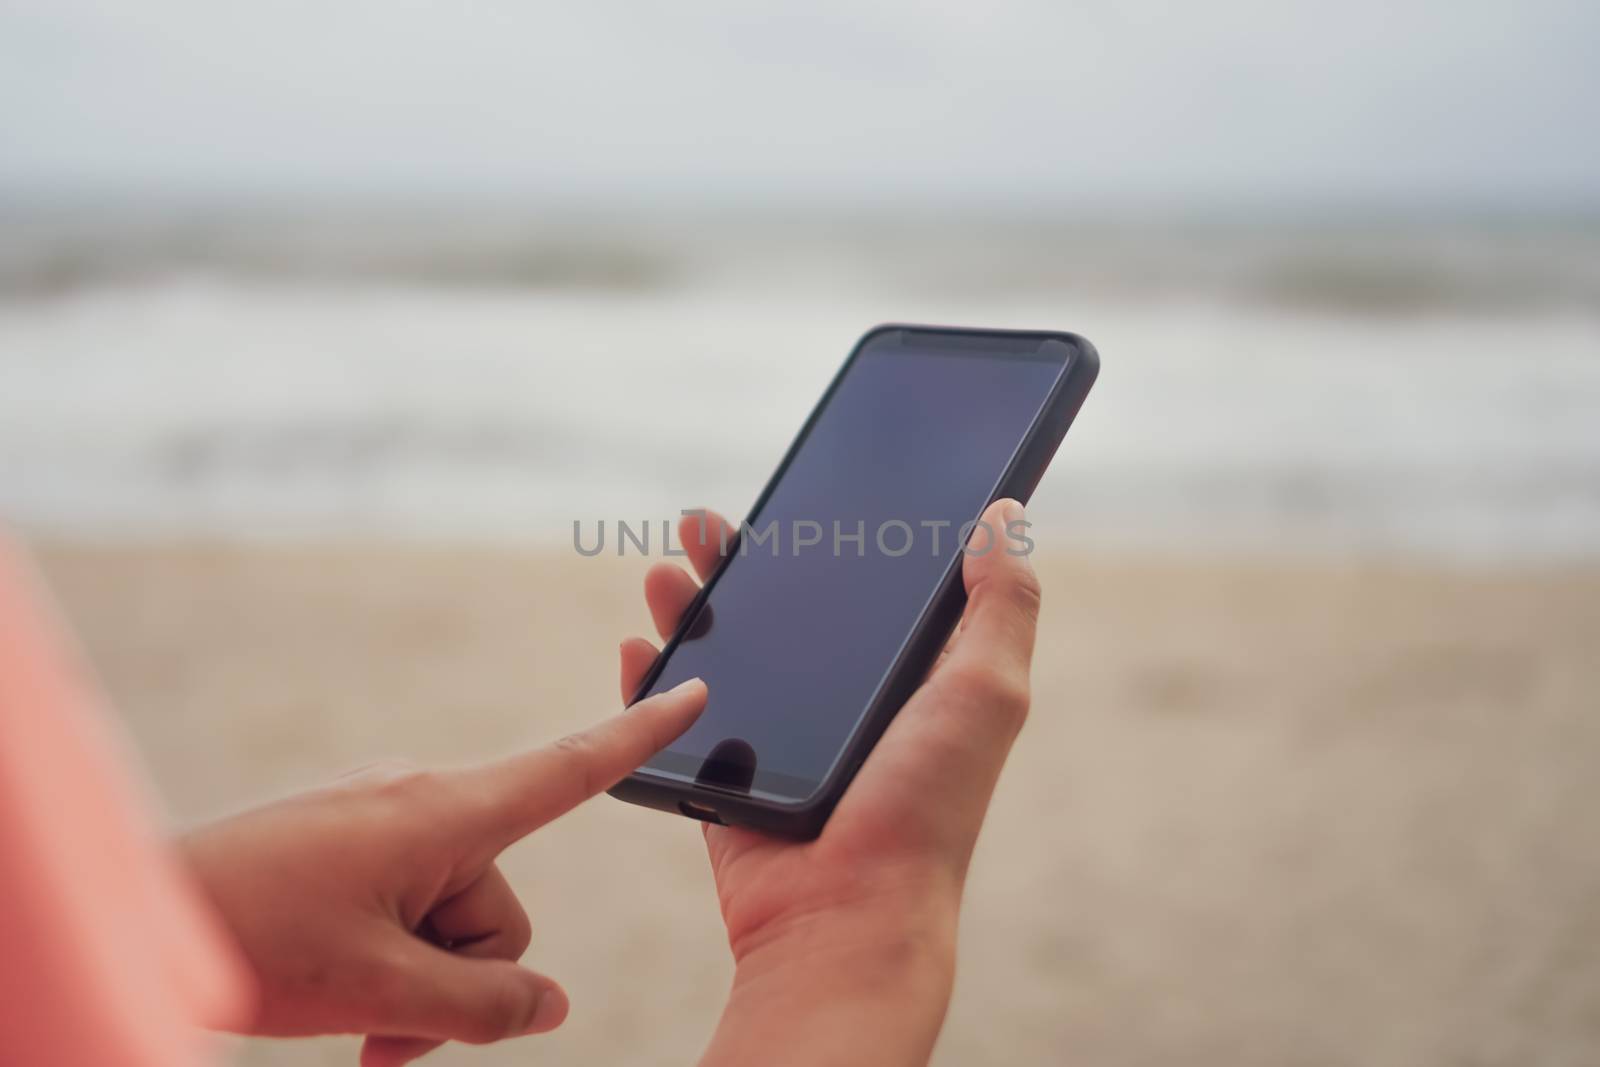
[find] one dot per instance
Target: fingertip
(690, 525)
(692, 692)
(1003, 516)
(658, 572)
(1003, 592)
(661, 582)
(678, 706)
(634, 650)
(550, 1012)
(668, 592)
(706, 536)
(702, 527)
(635, 657)
(1018, 545)
(999, 541)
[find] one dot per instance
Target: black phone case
(804, 820)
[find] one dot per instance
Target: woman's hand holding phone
(845, 946)
(375, 906)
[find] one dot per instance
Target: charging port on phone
(696, 811)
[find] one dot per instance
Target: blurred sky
(1421, 103)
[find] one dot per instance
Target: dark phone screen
(796, 638)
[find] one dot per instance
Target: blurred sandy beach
(1263, 813)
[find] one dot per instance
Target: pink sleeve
(108, 954)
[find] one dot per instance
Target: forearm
(816, 1000)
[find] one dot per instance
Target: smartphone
(841, 587)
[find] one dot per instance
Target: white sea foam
(215, 402)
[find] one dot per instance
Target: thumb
(1002, 613)
(432, 993)
(952, 737)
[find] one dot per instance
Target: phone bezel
(805, 817)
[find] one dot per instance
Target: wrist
(869, 986)
(882, 937)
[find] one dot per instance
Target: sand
(1263, 813)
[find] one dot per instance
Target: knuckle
(977, 682)
(1018, 590)
(420, 796)
(1027, 593)
(505, 1011)
(990, 687)
(577, 752)
(394, 787)
(379, 772)
(1012, 697)
(412, 784)
(1016, 707)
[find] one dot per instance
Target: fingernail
(685, 688)
(1017, 535)
(549, 1013)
